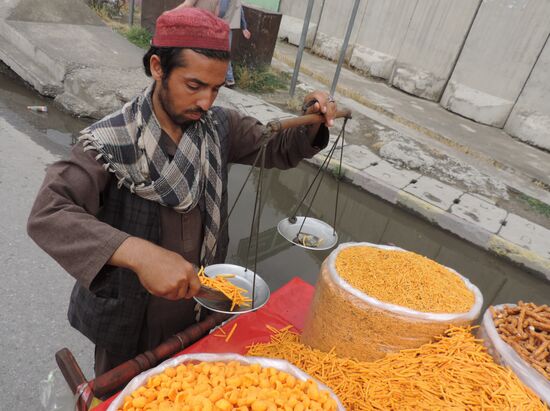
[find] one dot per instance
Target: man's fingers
(176, 293)
(316, 107)
(330, 114)
(194, 287)
(323, 103)
(173, 295)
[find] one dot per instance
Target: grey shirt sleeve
(285, 150)
(62, 220)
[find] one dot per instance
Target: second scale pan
(314, 235)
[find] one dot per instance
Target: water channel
(361, 216)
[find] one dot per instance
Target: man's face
(190, 91)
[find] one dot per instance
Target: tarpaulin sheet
(287, 306)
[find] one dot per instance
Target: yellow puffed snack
(221, 386)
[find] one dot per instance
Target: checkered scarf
(128, 143)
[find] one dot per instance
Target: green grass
(141, 37)
(536, 205)
(260, 80)
(102, 12)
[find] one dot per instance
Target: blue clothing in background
(224, 5)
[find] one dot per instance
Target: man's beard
(166, 104)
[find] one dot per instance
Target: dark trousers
(163, 319)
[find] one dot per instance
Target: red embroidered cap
(191, 27)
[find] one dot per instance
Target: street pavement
(33, 287)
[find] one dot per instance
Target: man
(232, 12)
(140, 202)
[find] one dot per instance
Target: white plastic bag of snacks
(506, 355)
(396, 313)
(283, 373)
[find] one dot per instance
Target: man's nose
(206, 100)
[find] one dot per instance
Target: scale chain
(343, 132)
(236, 200)
(325, 161)
(324, 165)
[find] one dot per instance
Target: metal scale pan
(313, 235)
(244, 279)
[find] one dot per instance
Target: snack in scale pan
(221, 283)
(308, 240)
(221, 386)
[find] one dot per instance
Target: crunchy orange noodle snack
(454, 372)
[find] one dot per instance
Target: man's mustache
(197, 110)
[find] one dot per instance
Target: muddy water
(54, 130)
(361, 217)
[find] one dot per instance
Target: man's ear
(156, 68)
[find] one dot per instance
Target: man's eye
(193, 87)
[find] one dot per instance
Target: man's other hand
(320, 102)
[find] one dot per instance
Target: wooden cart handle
(70, 369)
(278, 125)
(119, 376)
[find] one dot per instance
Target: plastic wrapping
(364, 328)
(55, 394)
(505, 355)
(280, 365)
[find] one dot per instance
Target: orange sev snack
(221, 283)
(224, 386)
(231, 332)
(453, 372)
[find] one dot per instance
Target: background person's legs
(229, 77)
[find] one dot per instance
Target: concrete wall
(530, 118)
(333, 27)
(292, 22)
(435, 36)
(500, 51)
(298, 9)
(382, 30)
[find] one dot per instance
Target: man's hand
(247, 34)
(161, 272)
(322, 103)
